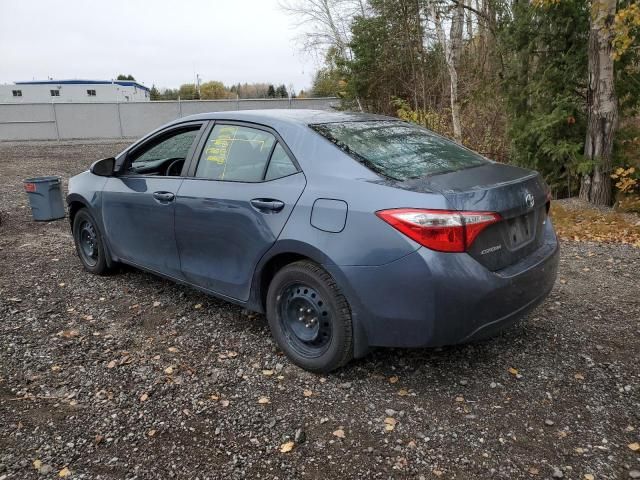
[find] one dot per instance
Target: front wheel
(89, 243)
(309, 317)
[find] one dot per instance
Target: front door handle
(164, 197)
(267, 205)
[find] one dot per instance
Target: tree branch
(479, 14)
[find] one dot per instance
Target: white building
(78, 91)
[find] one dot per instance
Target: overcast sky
(161, 42)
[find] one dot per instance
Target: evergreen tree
(546, 83)
(281, 92)
(154, 94)
(169, 94)
(544, 78)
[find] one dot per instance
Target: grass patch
(587, 224)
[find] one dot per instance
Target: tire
(310, 318)
(89, 243)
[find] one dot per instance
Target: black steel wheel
(305, 319)
(309, 317)
(89, 243)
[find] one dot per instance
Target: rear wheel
(309, 317)
(89, 243)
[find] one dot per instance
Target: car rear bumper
(429, 298)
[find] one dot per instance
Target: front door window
(164, 157)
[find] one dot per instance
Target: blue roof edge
(124, 83)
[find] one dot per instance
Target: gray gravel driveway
(130, 376)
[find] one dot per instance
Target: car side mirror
(104, 167)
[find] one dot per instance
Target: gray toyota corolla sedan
(349, 231)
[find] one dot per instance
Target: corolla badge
(491, 249)
(529, 200)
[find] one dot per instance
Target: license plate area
(521, 230)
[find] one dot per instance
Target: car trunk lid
(517, 194)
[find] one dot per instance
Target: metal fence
(66, 121)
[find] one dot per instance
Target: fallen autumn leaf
(286, 447)
(64, 473)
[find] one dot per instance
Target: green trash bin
(45, 197)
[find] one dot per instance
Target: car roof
(286, 116)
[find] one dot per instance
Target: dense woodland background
(548, 84)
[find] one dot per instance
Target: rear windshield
(398, 150)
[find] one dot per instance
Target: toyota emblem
(529, 200)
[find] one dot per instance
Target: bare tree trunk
(469, 19)
(602, 105)
(455, 35)
(481, 38)
(452, 56)
(482, 29)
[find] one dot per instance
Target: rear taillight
(441, 230)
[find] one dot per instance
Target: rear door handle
(164, 197)
(267, 205)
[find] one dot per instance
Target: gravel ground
(130, 376)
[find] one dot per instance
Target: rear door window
(235, 153)
(398, 150)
